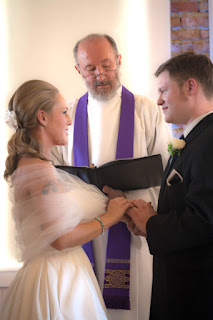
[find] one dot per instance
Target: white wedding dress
(48, 203)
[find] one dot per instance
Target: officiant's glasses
(91, 75)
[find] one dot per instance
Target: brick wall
(189, 32)
(189, 26)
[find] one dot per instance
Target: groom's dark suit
(180, 237)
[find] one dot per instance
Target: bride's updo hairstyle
(29, 98)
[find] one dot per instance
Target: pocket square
(174, 178)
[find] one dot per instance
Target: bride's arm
(85, 232)
(59, 210)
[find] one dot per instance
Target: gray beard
(103, 95)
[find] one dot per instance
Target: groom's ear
(42, 117)
(192, 86)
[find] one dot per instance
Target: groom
(180, 233)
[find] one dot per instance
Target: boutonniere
(175, 146)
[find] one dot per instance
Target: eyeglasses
(94, 76)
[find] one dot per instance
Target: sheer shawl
(48, 203)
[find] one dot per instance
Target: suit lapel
(192, 135)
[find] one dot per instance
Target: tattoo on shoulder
(50, 186)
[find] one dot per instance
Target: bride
(54, 212)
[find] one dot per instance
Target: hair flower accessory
(11, 120)
(175, 146)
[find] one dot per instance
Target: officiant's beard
(104, 94)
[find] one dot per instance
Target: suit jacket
(180, 237)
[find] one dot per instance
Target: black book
(124, 174)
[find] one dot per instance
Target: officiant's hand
(113, 193)
(140, 214)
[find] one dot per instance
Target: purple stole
(117, 270)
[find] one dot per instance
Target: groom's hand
(140, 214)
(134, 230)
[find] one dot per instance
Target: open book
(124, 174)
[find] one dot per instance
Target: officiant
(109, 123)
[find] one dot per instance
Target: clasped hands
(137, 216)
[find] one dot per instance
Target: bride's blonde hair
(29, 98)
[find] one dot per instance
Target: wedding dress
(48, 203)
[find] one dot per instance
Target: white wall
(38, 37)
(42, 33)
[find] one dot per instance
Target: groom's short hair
(190, 65)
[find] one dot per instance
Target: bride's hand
(117, 208)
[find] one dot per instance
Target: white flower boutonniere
(175, 146)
